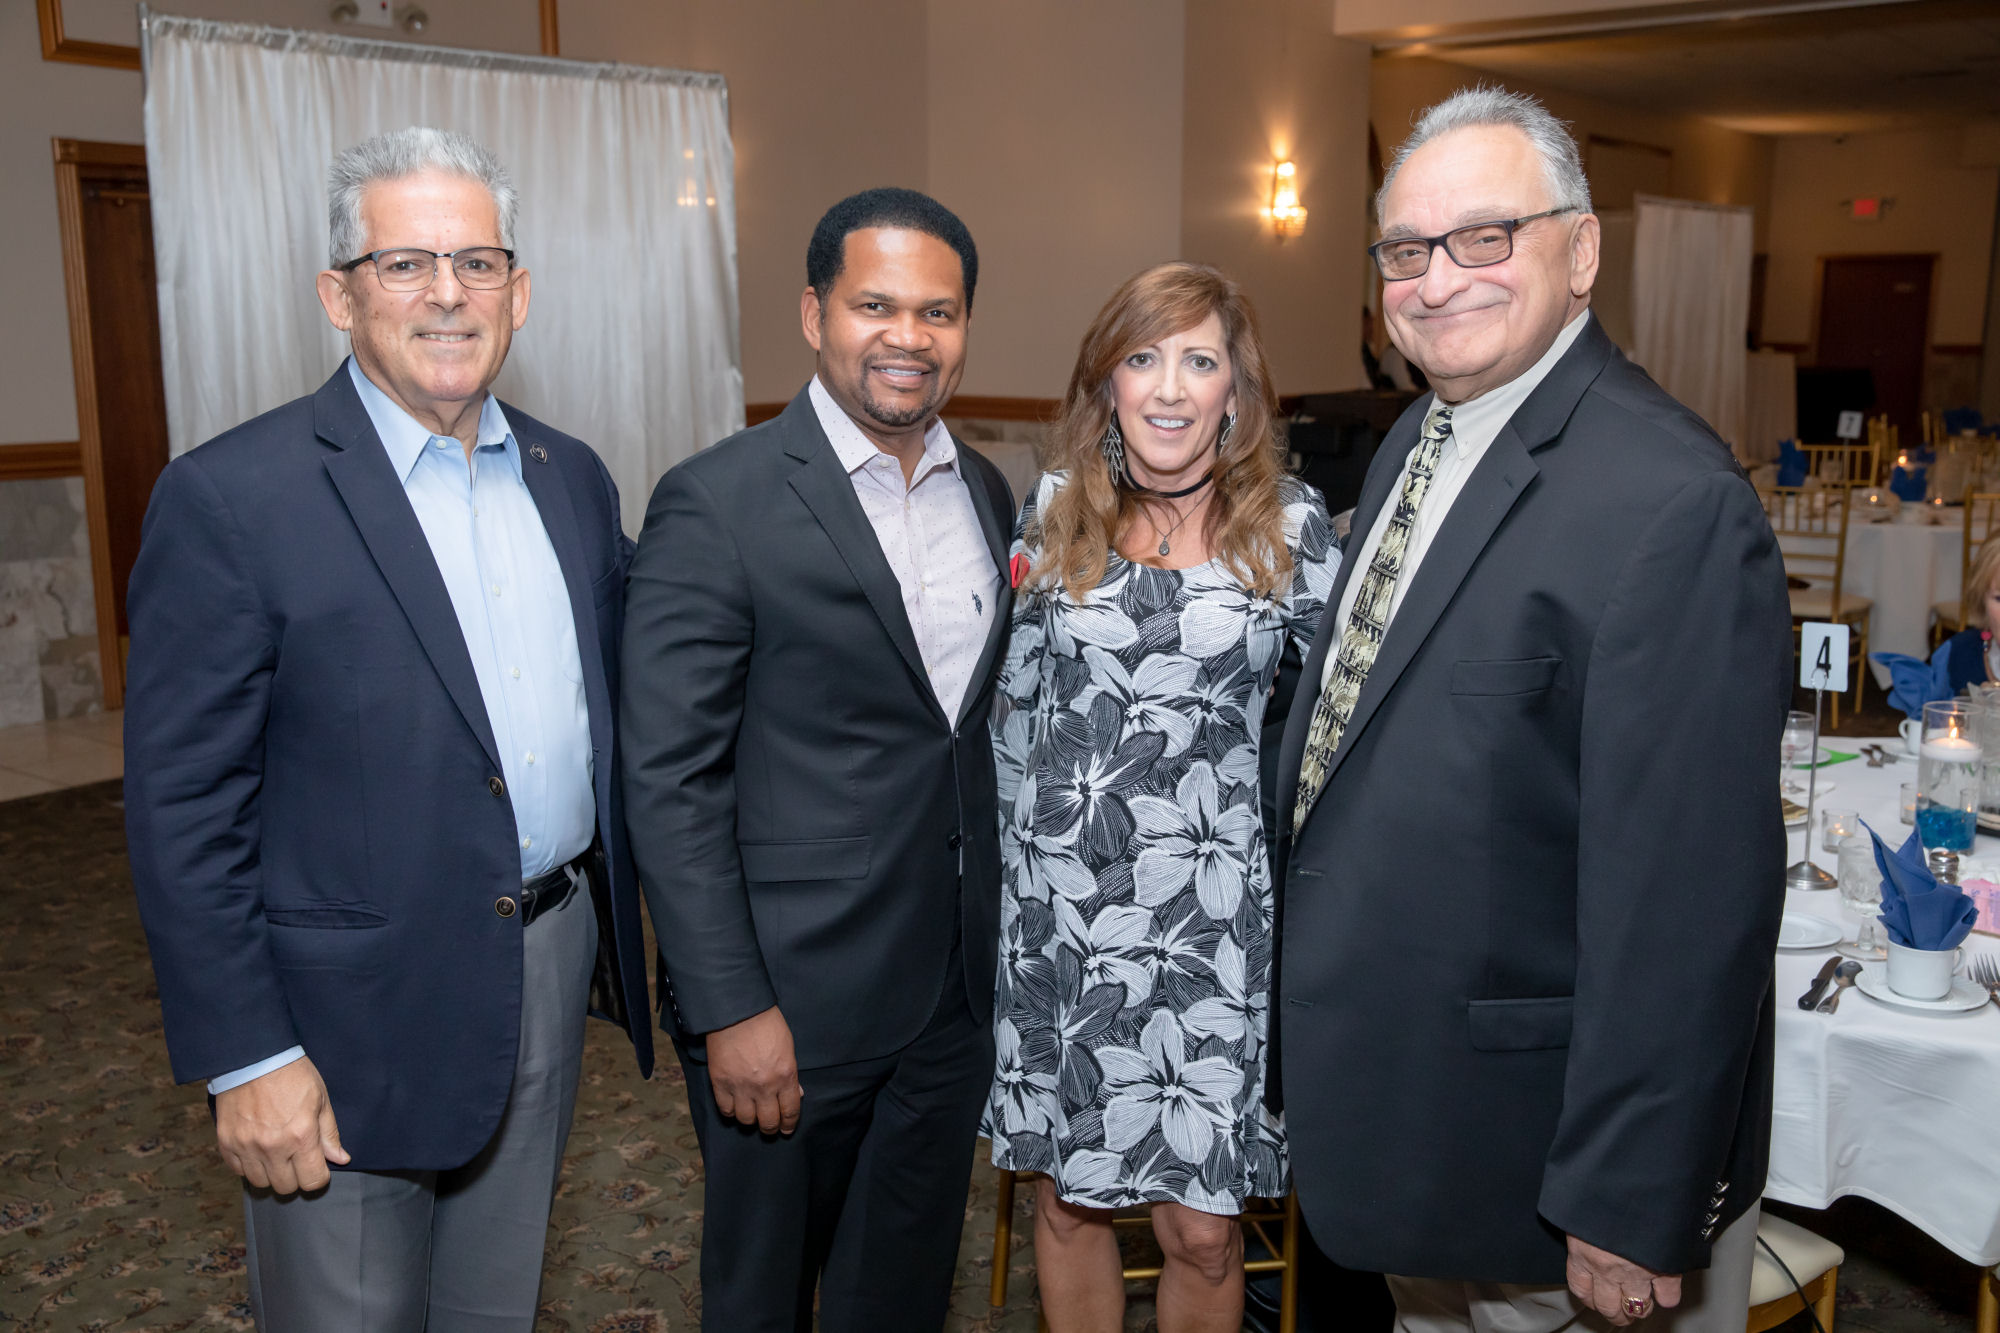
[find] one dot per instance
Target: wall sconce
(1287, 217)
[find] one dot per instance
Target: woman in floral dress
(1163, 572)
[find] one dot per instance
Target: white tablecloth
(1887, 1104)
(1904, 568)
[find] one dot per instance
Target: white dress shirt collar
(855, 450)
(1476, 421)
(404, 437)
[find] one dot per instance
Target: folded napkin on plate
(1914, 682)
(1908, 482)
(1791, 463)
(1917, 911)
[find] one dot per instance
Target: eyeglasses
(484, 266)
(1476, 246)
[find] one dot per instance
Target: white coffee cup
(1922, 974)
(1912, 731)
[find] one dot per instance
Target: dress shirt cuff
(224, 1082)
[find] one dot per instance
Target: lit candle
(1951, 749)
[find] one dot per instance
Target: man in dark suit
(369, 778)
(1533, 882)
(815, 620)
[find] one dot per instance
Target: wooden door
(121, 406)
(1875, 315)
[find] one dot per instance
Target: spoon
(1843, 977)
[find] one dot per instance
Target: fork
(1985, 971)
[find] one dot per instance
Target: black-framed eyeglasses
(1474, 246)
(413, 270)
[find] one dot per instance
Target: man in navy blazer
(370, 773)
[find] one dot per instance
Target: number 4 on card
(1823, 657)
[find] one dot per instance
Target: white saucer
(1820, 756)
(1796, 930)
(1964, 995)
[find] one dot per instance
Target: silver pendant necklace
(1166, 538)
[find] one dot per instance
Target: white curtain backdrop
(1691, 304)
(627, 224)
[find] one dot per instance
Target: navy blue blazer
(317, 823)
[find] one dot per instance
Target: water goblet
(1861, 893)
(1795, 745)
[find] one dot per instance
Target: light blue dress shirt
(513, 609)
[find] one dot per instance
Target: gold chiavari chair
(1794, 1253)
(1811, 527)
(1988, 1318)
(1260, 1217)
(1843, 464)
(1982, 511)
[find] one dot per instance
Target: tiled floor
(48, 756)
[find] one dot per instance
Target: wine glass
(1796, 743)
(1861, 893)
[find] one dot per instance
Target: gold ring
(1636, 1306)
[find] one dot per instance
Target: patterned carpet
(116, 1213)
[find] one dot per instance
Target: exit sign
(1867, 210)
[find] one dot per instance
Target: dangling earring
(1113, 445)
(1228, 429)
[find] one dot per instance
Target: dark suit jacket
(1528, 928)
(810, 827)
(313, 799)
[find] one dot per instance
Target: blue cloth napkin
(1917, 911)
(1908, 482)
(1914, 682)
(1791, 463)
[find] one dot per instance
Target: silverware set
(1877, 756)
(1985, 971)
(1837, 976)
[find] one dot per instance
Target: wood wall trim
(1959, 349)
(965, 406)
(551, 39)
(37, 462)
(57, 46)
(74, 157)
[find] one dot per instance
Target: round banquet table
(1905, 568)
(1888, 1104)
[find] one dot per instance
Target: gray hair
(398, 155)
(1562, 166)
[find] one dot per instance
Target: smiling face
(435, 351)
(891, 333)
(1171, 399)
(1473, 329)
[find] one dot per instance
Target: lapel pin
(538, 453)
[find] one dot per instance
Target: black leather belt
(549, 890)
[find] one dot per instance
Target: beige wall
(1065, 161)
(1941, 207)
(1270, 81)
(1710, 163)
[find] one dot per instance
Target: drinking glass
(1794, 746)
(1836, 826)
(1907, 802)
(1949, 763)
(1861, 893)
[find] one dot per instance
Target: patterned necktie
(1361, 638)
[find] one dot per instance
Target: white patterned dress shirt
(931, 537)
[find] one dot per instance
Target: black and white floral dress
(1135, 949)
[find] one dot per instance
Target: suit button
(504, 907)
(954, 842)
(496, 786)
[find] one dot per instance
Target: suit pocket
(1540, 1024)
(1522, 675)
(326, 916)
(815, 858)
(326, 939)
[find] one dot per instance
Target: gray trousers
(1714, 1300)
(456, 1251)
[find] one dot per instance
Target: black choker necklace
(1206, 477)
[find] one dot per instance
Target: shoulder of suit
(1647, 428)
(276, 442)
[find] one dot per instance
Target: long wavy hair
(1244, 524)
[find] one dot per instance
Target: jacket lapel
(375, 499)
(996, 527)
(551, 496)
(829, 493)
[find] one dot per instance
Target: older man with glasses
(1533, 870)
(369, 797)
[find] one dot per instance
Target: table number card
(1823, 657)
(1849, 427)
